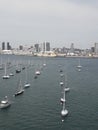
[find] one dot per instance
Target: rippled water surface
(39, 108)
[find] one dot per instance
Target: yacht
(11, 74)
(44, 64)
(61, 75)
(66, 89)
(61, 83)
(20, 89)
(64, 111)
(26, 80)
(5, 103)
(18, 70)
(63, 99)
(6, 76)
(79, 66)
(27, 85)
(37, 72)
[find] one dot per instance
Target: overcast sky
(61, 22)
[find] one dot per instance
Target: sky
(60, 22)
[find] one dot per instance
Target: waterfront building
(71, 51)
(47, 46)
(96, 48)
(43, 47)
(20, 47)
(72, 48)
(8, 46)
(3, 45)
(36, 46)
(92, 51)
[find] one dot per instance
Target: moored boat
(5, 103)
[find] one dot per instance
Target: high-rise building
(47, 46)
(3, 45)
(92, 49)
(20, 47)
(96, 48)
(44, 47)
(8, 46)
(72, 48)
(36, 47)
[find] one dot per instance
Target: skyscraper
(8, 46)
(3, 45)
(47, 46)
(36, 47)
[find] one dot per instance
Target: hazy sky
(61, 22)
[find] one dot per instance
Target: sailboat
(64, 111)
(6, 76)
(37, 72)
(5, 103)
(61, 83)
(66, 89)
(20, 89)
(63, 99)
(44, 61)
(79, 66)
(11, 74)
(44, 64)
(62, 75)
(26, 81)
(18, 70)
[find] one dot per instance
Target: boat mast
(26, 73)
(64, 106)
(5, 69)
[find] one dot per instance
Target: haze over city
(61, 22)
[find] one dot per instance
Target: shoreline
(52, 56)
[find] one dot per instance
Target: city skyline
(13, 46)
(58, 22)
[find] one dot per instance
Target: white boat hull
(37, 72)
(19, 93)
(79, 66)
(64, 112)
(67, 89)
(4, 105)
(27, 85)
(61, 83)
(44, 64)
(6, 77)
(11, 74)
(63, 100)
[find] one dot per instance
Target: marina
(39, 107)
